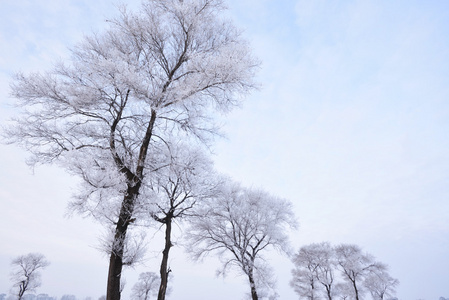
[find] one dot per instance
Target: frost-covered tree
(185, 181)
(340, 272)
(146, 286)
(160, 72)
(380, 284)
(314, 272)
(305, 284)
(240, 226)
(26, 275)
(355, 266)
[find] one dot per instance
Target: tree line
(321, 271)
(132, 113)
(340, 272)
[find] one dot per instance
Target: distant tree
(146, 286)
(380, 284)
(355, 266)
(343, 291)
(102, 297)
(160, 72)
(26, 275)
(305, 284)
(186, 180)
(68, 297)
(240, 226)
(342, 272)
(315, 271)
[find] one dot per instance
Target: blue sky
(351, 124)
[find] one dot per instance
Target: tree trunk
(355, 290)
(114, 275)
(329, 294)
(126, 211)
(164, 271)
(253, 286)
(116, 259)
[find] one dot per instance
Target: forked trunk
(329, 292)
(164, 271)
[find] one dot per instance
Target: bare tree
(25, 275)
(153, 74)
(305, 283)
(186, 180)
(146, 286)
(355, 266)
(380, 284)
(314, 271)
(343, 271)
(239, 227)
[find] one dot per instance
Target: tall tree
(26, 275)
(154, 73)
(240, 226)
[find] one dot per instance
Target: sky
(351, 124)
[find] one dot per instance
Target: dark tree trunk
(114, 275)
(355, 290)
(126, 211)
(329, 292)
(164, 271)
(253, 286)
(116, 259)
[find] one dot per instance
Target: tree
(155, 73)
(239, 226)
(146, 286)
(381, 285)
(305, 283)
(26, 275)
(343, 271)
(186, 180)
(314, 272)
(355, 266)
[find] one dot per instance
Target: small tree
(146, 286)
(240, 226)
(380, 284)
(314, 272)
(185, 181)
(305, 283)
(355, 266)
(25, 275)
(343, 271)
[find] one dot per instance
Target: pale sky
(351, 124)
